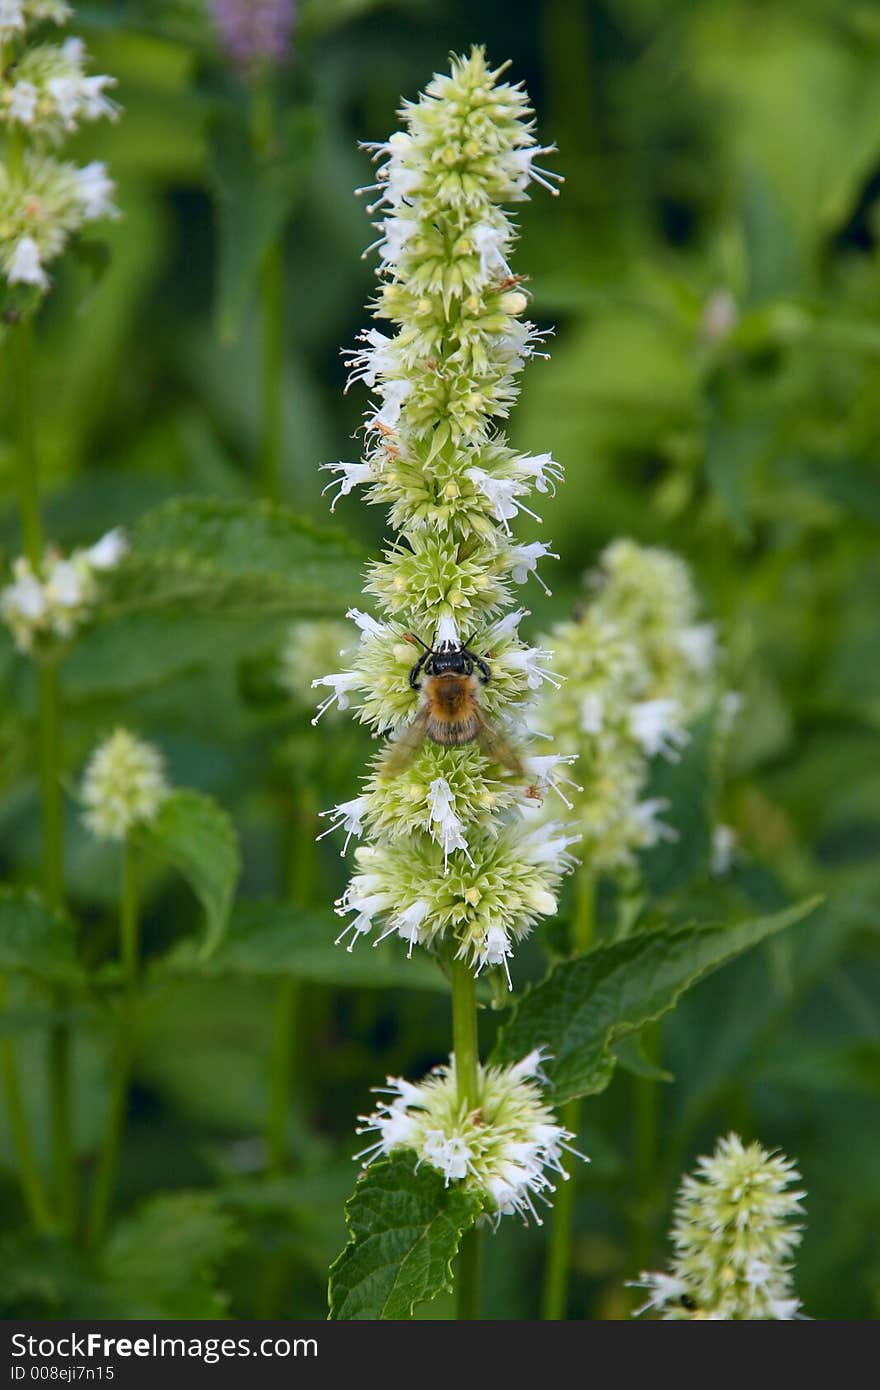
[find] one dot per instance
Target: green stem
(646, 1113)
(108, 1164)
(22, 350)
(50, 781)
(464, 1033)
(556, 1274)
(63, 1162)
(22, 345)
(29, 1172)
(467, 1057)
(271, 443)
(264, 126)
(287, 1035)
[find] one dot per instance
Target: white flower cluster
(123, 786)
(449, 854)
(16, 16)
(733, 1238)
(501, 1148)
(51, 603)
(45, 94)
(640, 668)
(50, 93)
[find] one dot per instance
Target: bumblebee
(450, 678)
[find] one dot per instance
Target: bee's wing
(399, 752)
(496, 747)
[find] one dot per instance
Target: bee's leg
(417, 670)
(483, 669)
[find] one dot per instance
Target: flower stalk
(22, 349)
(465, 1042)
(272, 313)
(120, 1078)
(32, 1186)
(453, 860)
(557, 1269)
(123, 788)
(60, 1041)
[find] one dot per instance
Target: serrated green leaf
(195, 835)
(584, 1006)
(256, 193)
(140, 651)
(218, 555)
(405, 1232)
(161, 1261)
(47, 1277)
(269, 939)
(35, 941)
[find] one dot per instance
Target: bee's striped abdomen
(453, 731)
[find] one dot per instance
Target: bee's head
(449, 659)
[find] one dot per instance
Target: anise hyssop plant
(454, 859)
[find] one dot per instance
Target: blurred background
(713, 277)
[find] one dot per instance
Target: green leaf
(220, 555)
(734, 449)
(140, 651)
(629, 1053)
(269, 939)
(584, 1006)
(160, 1262)
(197, 837)
(405, 1231)
(47, 1277)
(256, 193)
(35, 941)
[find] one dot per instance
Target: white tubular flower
(654, 724)
(508, 1147)
(350, 816)
(733, 1239)
(24, 266)
(525, 562)
(53, 602)
(340, 686)
(448, 856)
(123, 786)
(308, 646)
(94, 191)
(107, 552)
(45, 95)
(639, 669)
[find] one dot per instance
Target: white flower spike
(123, 786)
(46, 94)
(640, 669)
(448, 857)
(734, 1236)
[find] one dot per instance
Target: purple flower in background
(255, 31)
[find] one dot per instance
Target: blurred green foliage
(713, 274)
